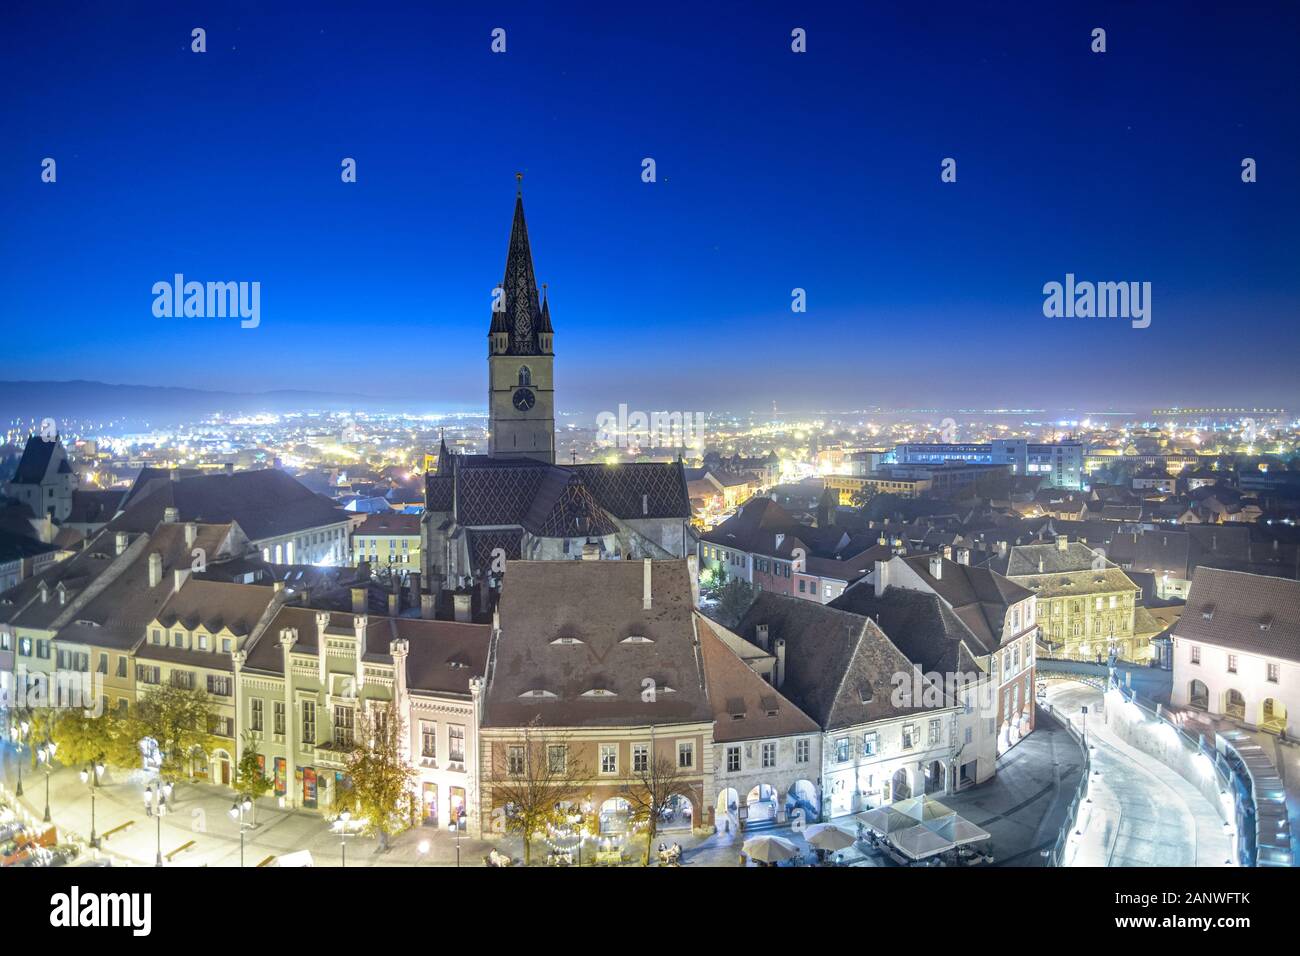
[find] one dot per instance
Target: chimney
(155, 569)
(171, 515)
(1002, 545)
(590, 551)
(779, 539)
(936, 567)
(963, 556)
(394, 604)
(45, 592)
(693, 570)
(191, 532)
(120, 541)
(645, 505)
(1040, 564)
(461, 605)
(178, 578)
(359, 600)
(1063, 542)
(645, 585)
(947, 551)
(780, 662)
(760, 636)
(277, 587)
(882, 577)
(174, 474)
(428, 606)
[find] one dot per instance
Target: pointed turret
(517, 315)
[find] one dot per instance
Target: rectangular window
(219, 686)
(121, 666)
(556, 758)
(255, 714)
(801, 750)
(515, 761)
(344, 725)
(685, 755)
(640, 758)
(841, 749)
(909, 736)
(43, 649)
(183, 679)
(103, 665)
(1196, 654)
(455, 743)
(1232, 663)
(178, 639)
(1274, 673)
(934, 731)
(147, 674)
(309, 722)
(428, 740)
(608, 758)
(278, 714)
(733, 759)
(769, 754)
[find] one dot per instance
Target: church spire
(519, 316)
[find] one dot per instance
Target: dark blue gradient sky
(775, 170)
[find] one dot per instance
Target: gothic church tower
(521, 358)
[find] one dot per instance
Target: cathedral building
(482, 511)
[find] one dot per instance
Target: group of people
(670, 855)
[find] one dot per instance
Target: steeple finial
(519, 183)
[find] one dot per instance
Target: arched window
(525, 375)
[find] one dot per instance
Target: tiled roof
(1254, 613)
(576, 646)
(266, 504)
(763, 711)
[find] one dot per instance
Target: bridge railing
(1057, 853)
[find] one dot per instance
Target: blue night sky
(775, 171)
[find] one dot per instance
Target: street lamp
(457, 827)
(241, 806)
(20, 733)
(45, 754)
(155, 805)
(91, 776)
(341, 821)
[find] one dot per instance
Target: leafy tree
(81, 738)
(862, 496)
(654, 789)
(734, 600)
(252, 780)
(534, 779)
(381, 777)
(178, 719)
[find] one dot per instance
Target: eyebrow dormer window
(525, 375)
(599, 692)
(538, 693)
(636, 639)
(567, 640)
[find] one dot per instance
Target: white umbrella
(770, 849)
(829, 836)
(957, 829)
(920, 842)
(886, 820)
(922, 808)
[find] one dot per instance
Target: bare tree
(536, 779)
(655, 788)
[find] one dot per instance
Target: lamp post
(20, 733)
(241, 806)
(341, 821)
(45, 754)
(155, 805)
(457, 827)
(91, 776)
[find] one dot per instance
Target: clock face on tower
(524, 399)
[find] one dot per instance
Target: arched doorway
(1198, 695)
(761, 805)
(726, 811)
(222, 768)
(802, 797)
(1234, 704)
(678, 814)
(614, 816)
(900, 788)
(1272, 716)
(936, 777)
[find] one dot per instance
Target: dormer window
(636, 639)
(599, 692)
(1207, 612)
(568, 640)
(537, 693)
(1266, 622)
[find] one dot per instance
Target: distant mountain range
(80, 400)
